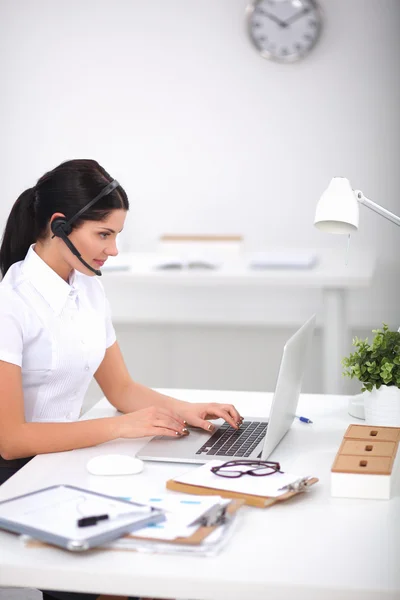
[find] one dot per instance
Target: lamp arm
(376, 208)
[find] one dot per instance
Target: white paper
(294, 259)
(212, 543)
(180, 511)
(186, 507)
(257, 486)
(170, 529)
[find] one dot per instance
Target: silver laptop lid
(288, 386)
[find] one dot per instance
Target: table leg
(334, 339)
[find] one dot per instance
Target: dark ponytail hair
(65, 189)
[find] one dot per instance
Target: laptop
(257, 437)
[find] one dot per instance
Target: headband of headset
(65, 226)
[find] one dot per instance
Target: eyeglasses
(236, 468)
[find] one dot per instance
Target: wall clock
(284, 30)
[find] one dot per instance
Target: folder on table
(220, 518)
(200, 542)
(254, 491)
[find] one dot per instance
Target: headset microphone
(57, 230)
(61, 228)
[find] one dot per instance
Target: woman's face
(95, 241)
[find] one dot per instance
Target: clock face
(284, 30)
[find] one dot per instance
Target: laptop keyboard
(227, 441)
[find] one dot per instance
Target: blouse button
(86, 368)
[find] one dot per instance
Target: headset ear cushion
(60, 227)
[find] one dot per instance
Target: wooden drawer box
(368, 432)
(367, 462)
(367, 448)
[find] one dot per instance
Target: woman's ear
(56, 215)
(58, 225)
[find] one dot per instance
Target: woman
(56, 330)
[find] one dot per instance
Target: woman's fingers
(214, 411)
(170, 424)
(226, 412)
(231, 410)
(197, 421)
(163, 417)
(155, 421)
(162, 421)
(164, 431)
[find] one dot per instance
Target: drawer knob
(368, 448)
(363, 463)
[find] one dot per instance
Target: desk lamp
(338, 212)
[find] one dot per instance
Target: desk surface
(312, 547)
(331, 270)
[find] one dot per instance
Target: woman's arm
(119, 388)
(127, 395)
(21, 439)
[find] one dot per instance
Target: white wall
(205, 136)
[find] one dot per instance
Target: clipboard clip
(216, 515)
(299, 485)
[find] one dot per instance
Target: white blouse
(57, 332)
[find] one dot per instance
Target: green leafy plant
(376, 364)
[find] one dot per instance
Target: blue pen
(303, 419)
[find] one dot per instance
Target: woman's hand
(152, 420)
(198, 414)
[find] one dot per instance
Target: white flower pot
(382, 407)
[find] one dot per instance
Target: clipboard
(194, 543)
(203, 531)
(51, 515)
(249, 499)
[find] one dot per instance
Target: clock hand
(296, 16)
(274, 18)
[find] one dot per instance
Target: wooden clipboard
(194, 540)
(249, 499)
(200, 534)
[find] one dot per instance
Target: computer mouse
(114, 464)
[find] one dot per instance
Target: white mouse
(114, 464)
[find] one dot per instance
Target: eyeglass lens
(236, 470)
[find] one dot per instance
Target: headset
(61, 228)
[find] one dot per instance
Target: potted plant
(377, 367)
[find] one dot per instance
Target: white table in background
(311, 548)
(235, 294)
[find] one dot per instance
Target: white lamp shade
(337, 210)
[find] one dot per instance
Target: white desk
(310, 548)
(235, 294)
